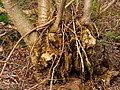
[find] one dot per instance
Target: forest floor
(106, 62)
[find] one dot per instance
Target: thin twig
(52, 65)
(111, 3)
(32, 87)
(77, 44)
(96, 30)
(117, 24)
(82, 63)
(2, 34)
(51, 83)
(68, 4)
(86, 57)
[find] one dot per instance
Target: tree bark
(43, 11)
(86, 19)
(23, 26)
(20, 21)
(59, 15)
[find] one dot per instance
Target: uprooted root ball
(59, 53)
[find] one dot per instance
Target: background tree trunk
(20, 21)
(23, 26)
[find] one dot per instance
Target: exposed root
(62, 51)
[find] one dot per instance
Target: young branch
(86, 19)
(43, 11)
(59, 15)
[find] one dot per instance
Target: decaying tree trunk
(60, 48)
